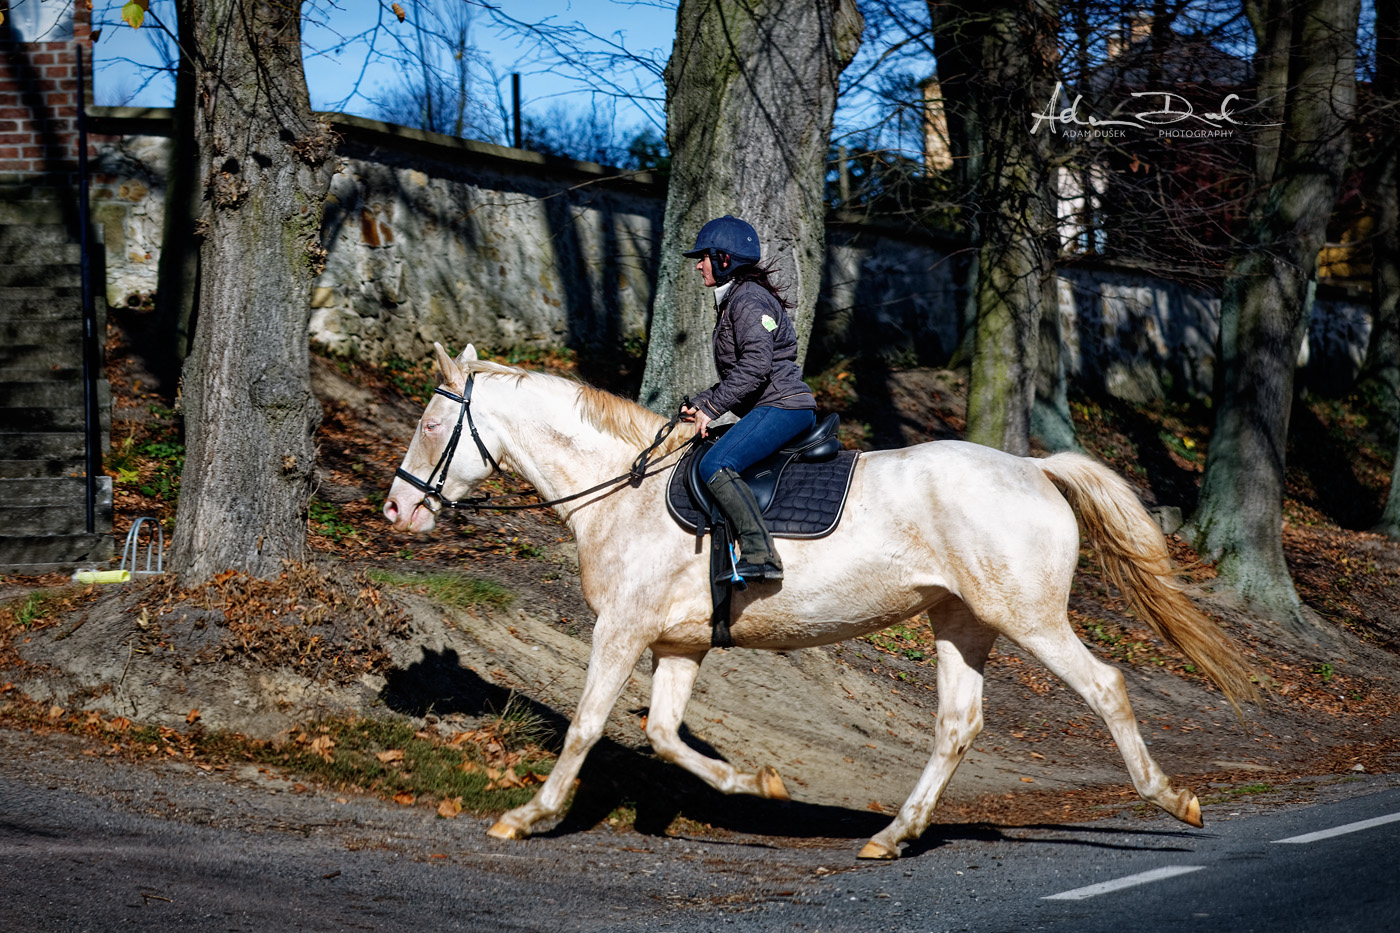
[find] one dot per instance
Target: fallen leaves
(327, 624)
(322, 746)
(501, 780)
(449, 808)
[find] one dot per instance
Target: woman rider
(755, 350)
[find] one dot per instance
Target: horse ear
(450, 371)
(468, 354)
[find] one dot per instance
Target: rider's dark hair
(762, 273)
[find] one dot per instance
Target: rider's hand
(702, 420)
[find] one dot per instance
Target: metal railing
(92, 452)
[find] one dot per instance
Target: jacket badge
(768, 323)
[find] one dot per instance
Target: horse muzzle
(411, 512)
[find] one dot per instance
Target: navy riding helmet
(730, 243)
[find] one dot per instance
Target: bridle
(432, 491)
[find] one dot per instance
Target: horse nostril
(391, 510)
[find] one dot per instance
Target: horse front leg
(963, 647)
(673, 678)
(615, 653)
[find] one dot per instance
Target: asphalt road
(87, 845)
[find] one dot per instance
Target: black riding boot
(759, 560)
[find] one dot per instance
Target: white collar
(721, 291)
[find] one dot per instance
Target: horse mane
(601, 409)
(620, 417)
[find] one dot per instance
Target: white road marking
(1118, 884)
(1341, 830)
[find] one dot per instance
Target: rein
(434, 499)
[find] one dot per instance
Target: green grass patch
(32, 608)
(152, 465)
(327, 520)
(912, 641)
(1233, 793)
(484, 771)
(450, 588)
(394, 760)
(39, 608)
(413, 379)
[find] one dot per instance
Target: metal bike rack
(155, 548)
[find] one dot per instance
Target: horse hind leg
(963, 647)
(673, 678)
(1102, 687)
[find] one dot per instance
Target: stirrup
(736, 579)
(742, 572)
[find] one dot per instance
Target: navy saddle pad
(801, 488)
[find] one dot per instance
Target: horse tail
(1134, 557)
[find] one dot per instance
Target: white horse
(985, 542)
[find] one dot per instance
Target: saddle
(801, 489)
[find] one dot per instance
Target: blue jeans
(758, 434)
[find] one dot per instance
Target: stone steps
(15, 238)
(56, 418)
(31, 555)
(44, 254)
(41, 275)
(57, 393)
(42, 506)
(42, 445)
(40, 304)
(36, 349)
(35, 469)
(38, 213)
(43, 490)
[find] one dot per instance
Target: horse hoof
(874, 849)
(770, 785)
(503, 830)
(1193, 812)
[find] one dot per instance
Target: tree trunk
(178, 273)
(750, 95)
(249, 410)
(1385, 297)
(997, 65)
(1383, 197)
(1239, 520)
(1051, 422)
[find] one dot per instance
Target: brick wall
(39, 97)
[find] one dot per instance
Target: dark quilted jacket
(756, 355)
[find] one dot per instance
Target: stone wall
(432, 238)
(438, 239)
(428, 238)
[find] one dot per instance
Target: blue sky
(355, 53)
(352, 52)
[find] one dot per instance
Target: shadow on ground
(615, 775)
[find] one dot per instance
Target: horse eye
(431, 425)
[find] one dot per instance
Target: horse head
(434, 468)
